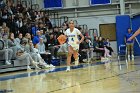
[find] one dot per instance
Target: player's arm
(82, 38)
(135, 34)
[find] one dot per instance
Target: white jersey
(73, 37)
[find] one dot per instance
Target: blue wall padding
(135, 26)
(52, 3)
(122, 24)
(94, 2)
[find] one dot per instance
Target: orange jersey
(62, 39)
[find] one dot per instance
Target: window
(108, 31)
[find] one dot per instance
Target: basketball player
(134, 35)
(73, 43)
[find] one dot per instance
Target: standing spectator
(129, 44)
(57, 32)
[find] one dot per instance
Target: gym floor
(86, 78)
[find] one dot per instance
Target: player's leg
(132, 50)
(75, 54)
(128, 51)
(70, 52)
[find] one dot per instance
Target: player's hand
(78, 42)
(129, 39)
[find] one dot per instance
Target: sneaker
(8, 63)
(85, 60)
(68, 69)
(104, 59)
(76, 62)
(109, 56)
(133, 57)
(28, 68)
(47, 66)
(52, 65)
(38, 68)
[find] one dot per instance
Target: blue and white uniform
(73, 38)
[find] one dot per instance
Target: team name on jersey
(71, 35)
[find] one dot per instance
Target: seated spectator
(43, 36)
(5, 28)
(36, 39)
(27, 37)
(84, 50)
(63, 51)
(2, 32)
(57, 32)
(83, 55)
(107, 44)
(53, 45)
(98, 49)
(45, 55)
(22, 55)
(6, 53)
(24, 29)
(34, 29)
(12, 44)
(19, 39)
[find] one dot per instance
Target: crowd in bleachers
(29, 34)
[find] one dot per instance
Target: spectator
(22, 55)
(19, 22)
(12, 44)
(43, 36)
(6, 29)
(45, 55)
(98, 49)
(36, 38)
(29, 48)
(27, 37)
(24, 29)
(19, 39)
(35, 29)
(52, 45)
(129, 44)
(19, 7)
(6, 53)
(108, 46)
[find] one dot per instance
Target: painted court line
(4, 78)
(92, 81)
